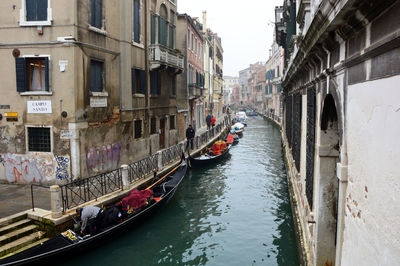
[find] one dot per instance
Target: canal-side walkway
(17, 199)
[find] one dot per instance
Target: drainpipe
(146, 60)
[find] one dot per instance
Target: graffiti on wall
(103, 158)
(62, 168)
(34, 168)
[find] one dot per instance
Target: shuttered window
(136, 21)
(32, 74)
(162, 31)
(96, 13)
(96, 76)
(138, 129)
(171, 37)
(36, 10)
(153, 29)
(138, 81)
(155, 83)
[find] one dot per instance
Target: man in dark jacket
(190, 133)
(208, 121)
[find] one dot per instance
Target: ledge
(36, 93)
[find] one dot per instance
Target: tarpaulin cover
(136, 199)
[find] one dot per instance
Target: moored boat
(207, 159)
(70, 243)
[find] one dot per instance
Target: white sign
(63, 64)
(67, 134)
(39, 107)
(98, 101)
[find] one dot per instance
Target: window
(138, 81)
(138, 129)
(195, 46)
(39, 139)
(136, 21)
(172, 86)
(153, 29)
(162, 31)
(155, 83)
(96, 13)
(153, 125)
(32, 73)
(171, 37)
(192, 41)
(163, 26)
(35, 13)
(96, 76)
(172, 122)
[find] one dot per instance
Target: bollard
(125, 177)
(55, 197)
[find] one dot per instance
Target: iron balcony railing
(161, 55)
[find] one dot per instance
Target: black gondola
(67, 242)
(206, 159)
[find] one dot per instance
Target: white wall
(372, 215)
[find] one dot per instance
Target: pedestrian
(89, 219)
(190, 133)
(213, 120)
(208, 121)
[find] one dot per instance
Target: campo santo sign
(39, 107)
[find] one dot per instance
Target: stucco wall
(372, 202)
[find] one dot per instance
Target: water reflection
(236, 212)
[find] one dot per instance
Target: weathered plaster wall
(371, 235)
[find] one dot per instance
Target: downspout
(146, 60)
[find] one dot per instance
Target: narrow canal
(233, 213)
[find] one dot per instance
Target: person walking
(213, 120)
(208, 121)
(190, 133)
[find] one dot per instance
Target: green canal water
(236, 212)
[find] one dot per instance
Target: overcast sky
(244, 27)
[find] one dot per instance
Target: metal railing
(142, 168)
(171, 154)
(83, 190)
(36, 185)
(80, 191)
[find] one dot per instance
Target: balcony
(196, 91)
(163, 56)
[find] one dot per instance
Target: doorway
(162, 133)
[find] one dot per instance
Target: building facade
(340, 128)
(190, 40)
(88, 85)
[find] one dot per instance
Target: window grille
(153, 125)
(39, 139)
(172, 122)
(297, 112)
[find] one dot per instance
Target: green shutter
(47, 73)
(142, 82)
(171, 37)
(153, 30)
(136, 21)
(20, 69)
(162, 31)
(133, 74)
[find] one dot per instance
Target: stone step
(11, 236)
(12, 219)
(11, 227)
(20, 243)
(33, 244)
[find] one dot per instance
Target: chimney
(204, 21)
